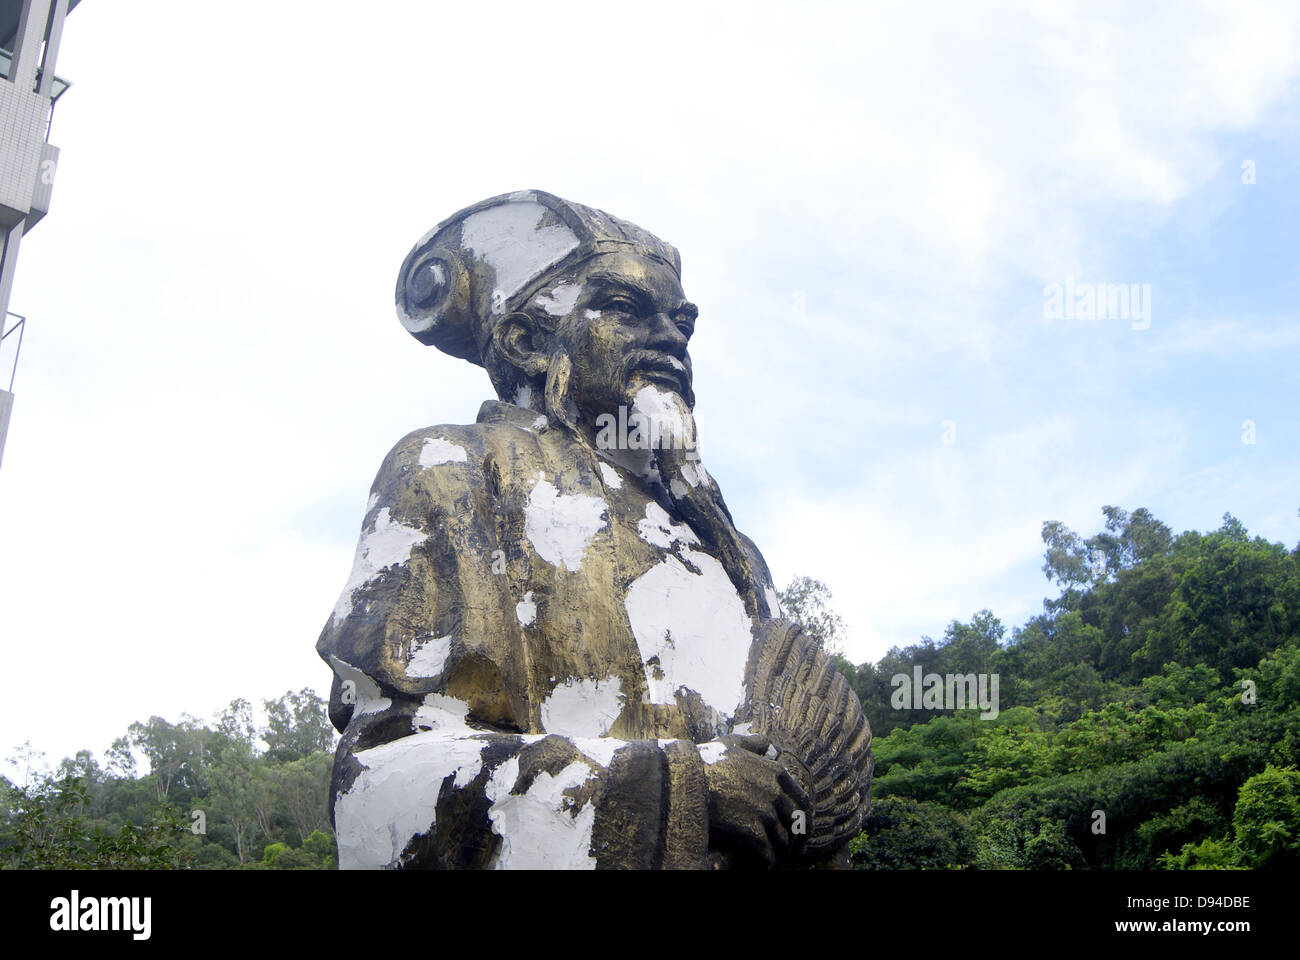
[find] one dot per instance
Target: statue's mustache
(559, 394)
(659, 361)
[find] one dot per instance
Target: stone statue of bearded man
(555, 648)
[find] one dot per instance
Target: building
(30, 31)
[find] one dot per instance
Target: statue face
(627, 330)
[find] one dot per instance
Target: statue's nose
(666, 335)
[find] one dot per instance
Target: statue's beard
(651, 433)
(670, 467)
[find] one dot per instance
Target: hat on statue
(487, 260)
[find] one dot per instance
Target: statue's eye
(620, 304)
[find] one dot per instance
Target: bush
(1267, 818)
(906, 834)
(1209, 854)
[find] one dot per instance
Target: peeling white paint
(388, 544)
(526, 610)
(610, 476)
(678, 488)
(743, 729)
(583, 708)
(695, 623)
(428, 656)
(658, 528)
(372, 502)
(438, 450)
(510, 239)
(712, 752)
(366, 691)
(666, 412)
(539, 424)
(503, 780)
(524, 397)
(561, 526)
(591, 314)
(444, 714)
(541, 829)
(773, 603)
(600, 749)
(693, 473)
(561, 298)
(394, 797)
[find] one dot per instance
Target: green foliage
(925, 761)
(321, 846)
(1127, 541)
(1267, 818)
(1027, 844)
(304, 792)
(1009, 751)
(297, 726)
(211, 799)
(296, 859)
(905, 834)
(1209, 854)
(1180, 826)
(49, 832)
(316, 853)
(1127, 703)
(213, 856)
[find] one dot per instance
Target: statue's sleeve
(805, 706)
(436, 766)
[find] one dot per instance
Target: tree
(169, 747)
(235, 723)
(29, 762)
(905, 834)
(806, 601)
(50, 831)
(233, 796)
(1267, 818)
(971, 648)
(1209, 854)
(298, 725)
(1127, 540)
(264, 793)
(317, 853)
(321, 846)
(305, 791)
(121, 762)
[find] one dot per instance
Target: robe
(535, 659)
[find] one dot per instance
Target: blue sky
(869, 204)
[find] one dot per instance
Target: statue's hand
(753, 802)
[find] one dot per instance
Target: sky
(873, 203)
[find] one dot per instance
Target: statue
(555, 648)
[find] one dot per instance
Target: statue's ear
(522, 342)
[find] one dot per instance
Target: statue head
(572, 312)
